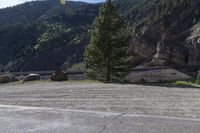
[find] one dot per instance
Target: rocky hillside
(45, 35)
(166, 32)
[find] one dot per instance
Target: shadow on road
(169, 85)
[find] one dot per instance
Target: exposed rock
(198, 77)
(172, 40)
(141, 48)
(32, 77)
(172, 44)
(193, 41)
(59, 76)
(161, 58)
(7, 78)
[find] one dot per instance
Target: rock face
(198, 77)
(194, 46)
(59, 76)
(173, 40)
(7, 78)
(32, 77)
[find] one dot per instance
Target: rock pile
(7, 78)
(59, 75)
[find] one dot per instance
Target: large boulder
(32, 77)
(59, 76)
(7, 78)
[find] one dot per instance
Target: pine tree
(107, 55)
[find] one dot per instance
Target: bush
(184, 82)
(191, 82)
(197, 82)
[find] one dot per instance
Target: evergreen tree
(107, 55)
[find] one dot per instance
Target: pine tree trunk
(108, 70)
(108, 65)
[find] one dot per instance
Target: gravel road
(135, 99)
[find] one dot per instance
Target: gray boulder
(32, 77)
(7, 78)
(59, 76)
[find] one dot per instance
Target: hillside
(148, 11)
(166, 33)
(45, 35)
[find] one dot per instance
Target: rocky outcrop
(193, 41)
(59, 75)
(173, 40)
(7, 78)
(198, 76)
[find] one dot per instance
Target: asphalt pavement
(18, 119)
(64, 107)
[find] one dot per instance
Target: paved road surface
(44, 120)
(157, 109)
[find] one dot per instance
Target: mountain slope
(138, 11)
(44, 35)
(166, 32)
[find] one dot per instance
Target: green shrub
(183, 82)
(191, 82)
(197, 82)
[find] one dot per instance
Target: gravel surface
(135, 99)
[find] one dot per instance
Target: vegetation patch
(197, 82)
(191, 82)
(78, 66)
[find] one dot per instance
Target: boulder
(7, 78)
(59, 76)
(32, 77)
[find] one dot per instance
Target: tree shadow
(170, 85)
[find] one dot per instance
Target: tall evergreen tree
(107, 55)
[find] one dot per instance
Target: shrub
(183, 82)
(197, 82)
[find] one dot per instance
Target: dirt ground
(135, 99)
